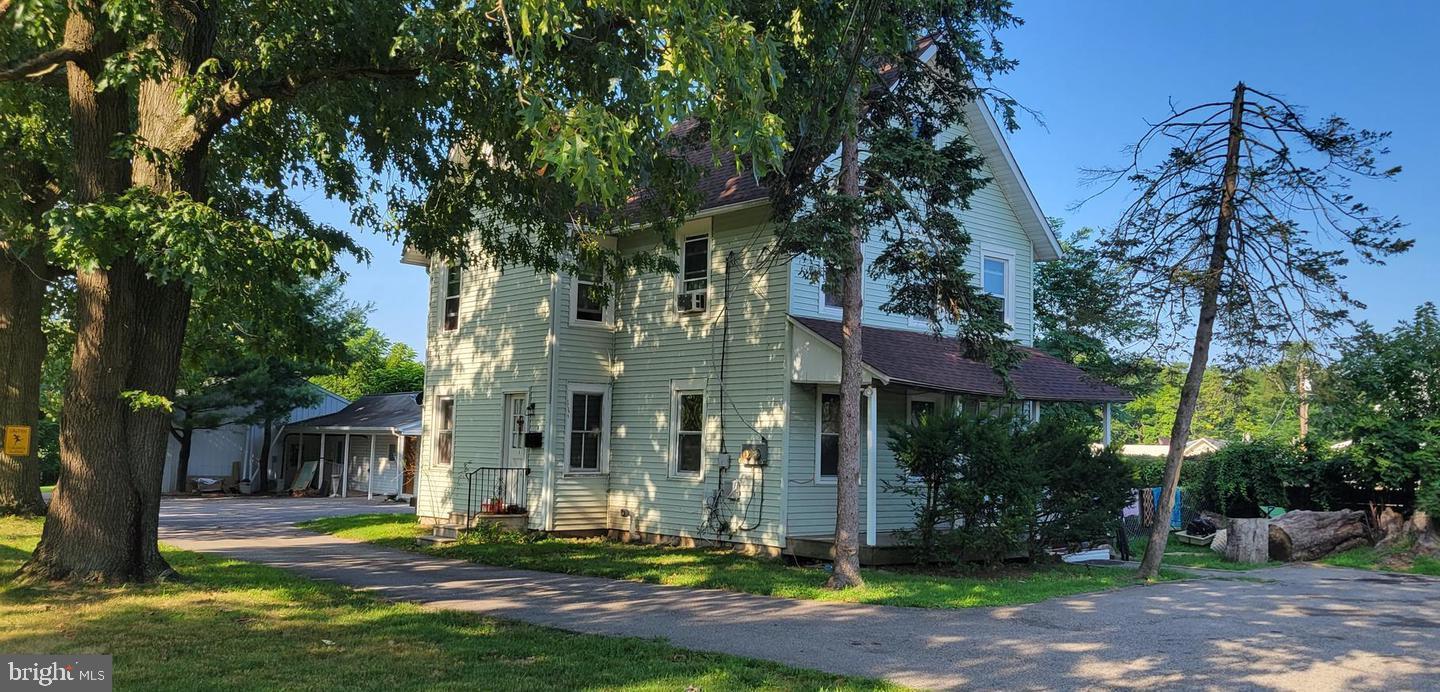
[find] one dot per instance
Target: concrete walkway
(1295, 628)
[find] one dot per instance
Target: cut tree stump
(1303, 535)
(1416, 534)
(1247, 541)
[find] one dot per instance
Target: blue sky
(1097, 71)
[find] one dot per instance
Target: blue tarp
(1175, 521)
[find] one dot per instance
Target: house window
(828, 429)
(689, 425)
(587, 431)
(694, 265)
(920, 409)
(995, 280)
(445, 432)
(452, 298)
(588, 305)
(831, 290)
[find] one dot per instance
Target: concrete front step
(434, 540)
(447, 530)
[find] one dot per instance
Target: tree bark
(1303, 535)
(103, 523)
(1204, 331)
(104, 520)
(1248, 541)
(847, 483)
(185, 435)
(22, 359)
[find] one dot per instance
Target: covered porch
(908, 374)
(368, 449)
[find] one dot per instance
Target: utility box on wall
(754, 454)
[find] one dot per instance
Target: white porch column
(1106, 435)
(320, 470)
(345, 469)
(871, 409)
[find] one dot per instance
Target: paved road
(1293, 628)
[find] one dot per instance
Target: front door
(513, 448)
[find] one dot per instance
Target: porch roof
(398, 411)
(925, 360)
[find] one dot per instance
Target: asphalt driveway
(1293, 628)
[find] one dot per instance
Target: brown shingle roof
(720, 184)
(932, 362)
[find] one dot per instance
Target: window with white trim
(694, 280)
(588, 306)
(995, 281)
(587, 431)
(444, 430)
(695, 263)
(827, 430)
(688, 423)
(452, 298)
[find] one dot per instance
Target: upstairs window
(995, 280)
(587, 305)
(452, 298)
(831, 297)
(445, 431)
(696, 269)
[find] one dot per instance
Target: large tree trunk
(1303, 535)
(186, 435)
(847, 483)
(22, 357)
(1200, 356)
(104, 520)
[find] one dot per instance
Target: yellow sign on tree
(17, 440)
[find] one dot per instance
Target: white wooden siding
(993, 224)
(500, 347)
(654, 345)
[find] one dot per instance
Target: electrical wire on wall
(715, 519)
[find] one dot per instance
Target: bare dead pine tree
(1245, 221)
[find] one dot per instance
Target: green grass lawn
(231, 625)
(47, 488)
(1382, 560)
(1179, 554)
(725, 569)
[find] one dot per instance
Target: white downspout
(871, 409)
(547, 498)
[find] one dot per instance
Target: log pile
(1303, 535)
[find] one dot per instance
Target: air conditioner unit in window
(691, 301)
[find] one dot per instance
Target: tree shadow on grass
(237, 625)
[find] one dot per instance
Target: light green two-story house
(702, 405)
